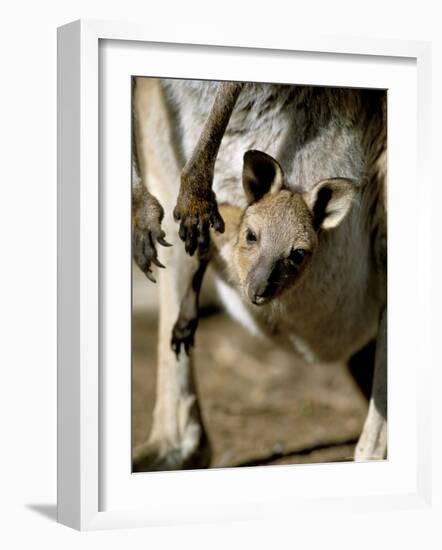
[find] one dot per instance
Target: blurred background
(260, 404)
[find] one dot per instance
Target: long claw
(191, 240)
(157, 262)
(176, 214)
(163, 241)
(203, 232)
(182, 232)
(176, 347)
(150, 276)
(217, 222)
(203, 238)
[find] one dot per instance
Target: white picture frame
(80, 434)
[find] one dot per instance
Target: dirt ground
(260, 405)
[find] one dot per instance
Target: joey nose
(258, 295)
(259, 300)
(258, 289)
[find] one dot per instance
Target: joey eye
(251, 236)
(297, 256)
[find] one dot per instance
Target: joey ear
(330, 201)
(261, 174)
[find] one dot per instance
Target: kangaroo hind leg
(177, 438)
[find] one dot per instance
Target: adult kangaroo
(196, 133)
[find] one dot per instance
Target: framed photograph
(226, 261)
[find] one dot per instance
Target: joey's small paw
(197, 212)
(183, 334)
(146, 234)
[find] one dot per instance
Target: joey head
(280, 229)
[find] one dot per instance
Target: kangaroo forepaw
(146, 234)
(183, 334)
(197, 212)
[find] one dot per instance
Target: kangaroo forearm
(198, 171)
(196, 208)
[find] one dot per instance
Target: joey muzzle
(263, 281)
